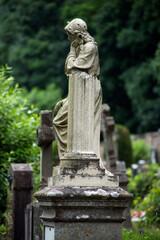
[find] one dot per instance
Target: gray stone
(108, 128)
(123, 182)
(19, 195)
(45, 136)
(33, 223)
(83, 200)
(83, 212)
(154, 155)
(118, 168)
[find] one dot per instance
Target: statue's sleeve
(85, 57)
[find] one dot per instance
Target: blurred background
(34, 45)
(33, 42)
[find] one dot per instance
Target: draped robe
(84, 58)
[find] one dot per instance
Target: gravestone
(142, 166)
(123, 182)
(108, 132)
(134, 168)
(33, 223)
(115, 141)
(19, 195)
(154, 155)
(116, 167)
(45, 136)
(83, 200)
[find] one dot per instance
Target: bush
(140, 150)
(151, 204)
(136, 235)
(18, 125)
(43, 99)
(141, 184)
(146, 189)
(124, 145)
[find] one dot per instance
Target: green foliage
(140, 150)
(141, 184)
(3, 232)
(32, 37)
(151, 204)
(136, 235)
(33, 41)
(124, 145)
(18, 125)
(44, 99)
(146, 190)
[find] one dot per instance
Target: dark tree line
(33, 41)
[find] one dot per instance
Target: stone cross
(108, 132)
(45, 136)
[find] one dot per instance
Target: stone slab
(83, 212)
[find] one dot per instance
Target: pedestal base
(83, 212)
(82, 170)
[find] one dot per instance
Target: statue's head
(76, 26)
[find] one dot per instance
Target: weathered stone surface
(83, 212)
(108, 128)
(77, 123)
(118, 168)
(44, 138)
(81, 171)
(19, 195)
(123, 182)
(83, 200)
(33, 222)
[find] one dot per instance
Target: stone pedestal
(80, 165)
(82, 212)
(82, 200)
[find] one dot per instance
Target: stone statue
(83, 57)
(81, 194)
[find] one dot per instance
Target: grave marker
(82, 200)
(45, 136)
(19, 195)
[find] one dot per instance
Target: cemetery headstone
(123, 182)
(45, 136)
(33, 223)
(119, 167)
(134, 168)
(19, 195)
(108, 129)
(83, 200)
(154, 155)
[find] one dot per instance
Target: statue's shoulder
(90, 46)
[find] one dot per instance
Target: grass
(136, 235)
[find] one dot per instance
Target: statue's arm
(85, 57)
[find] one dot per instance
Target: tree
(43, 99)
(128, 36)
(34, 43)
(18, 125)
